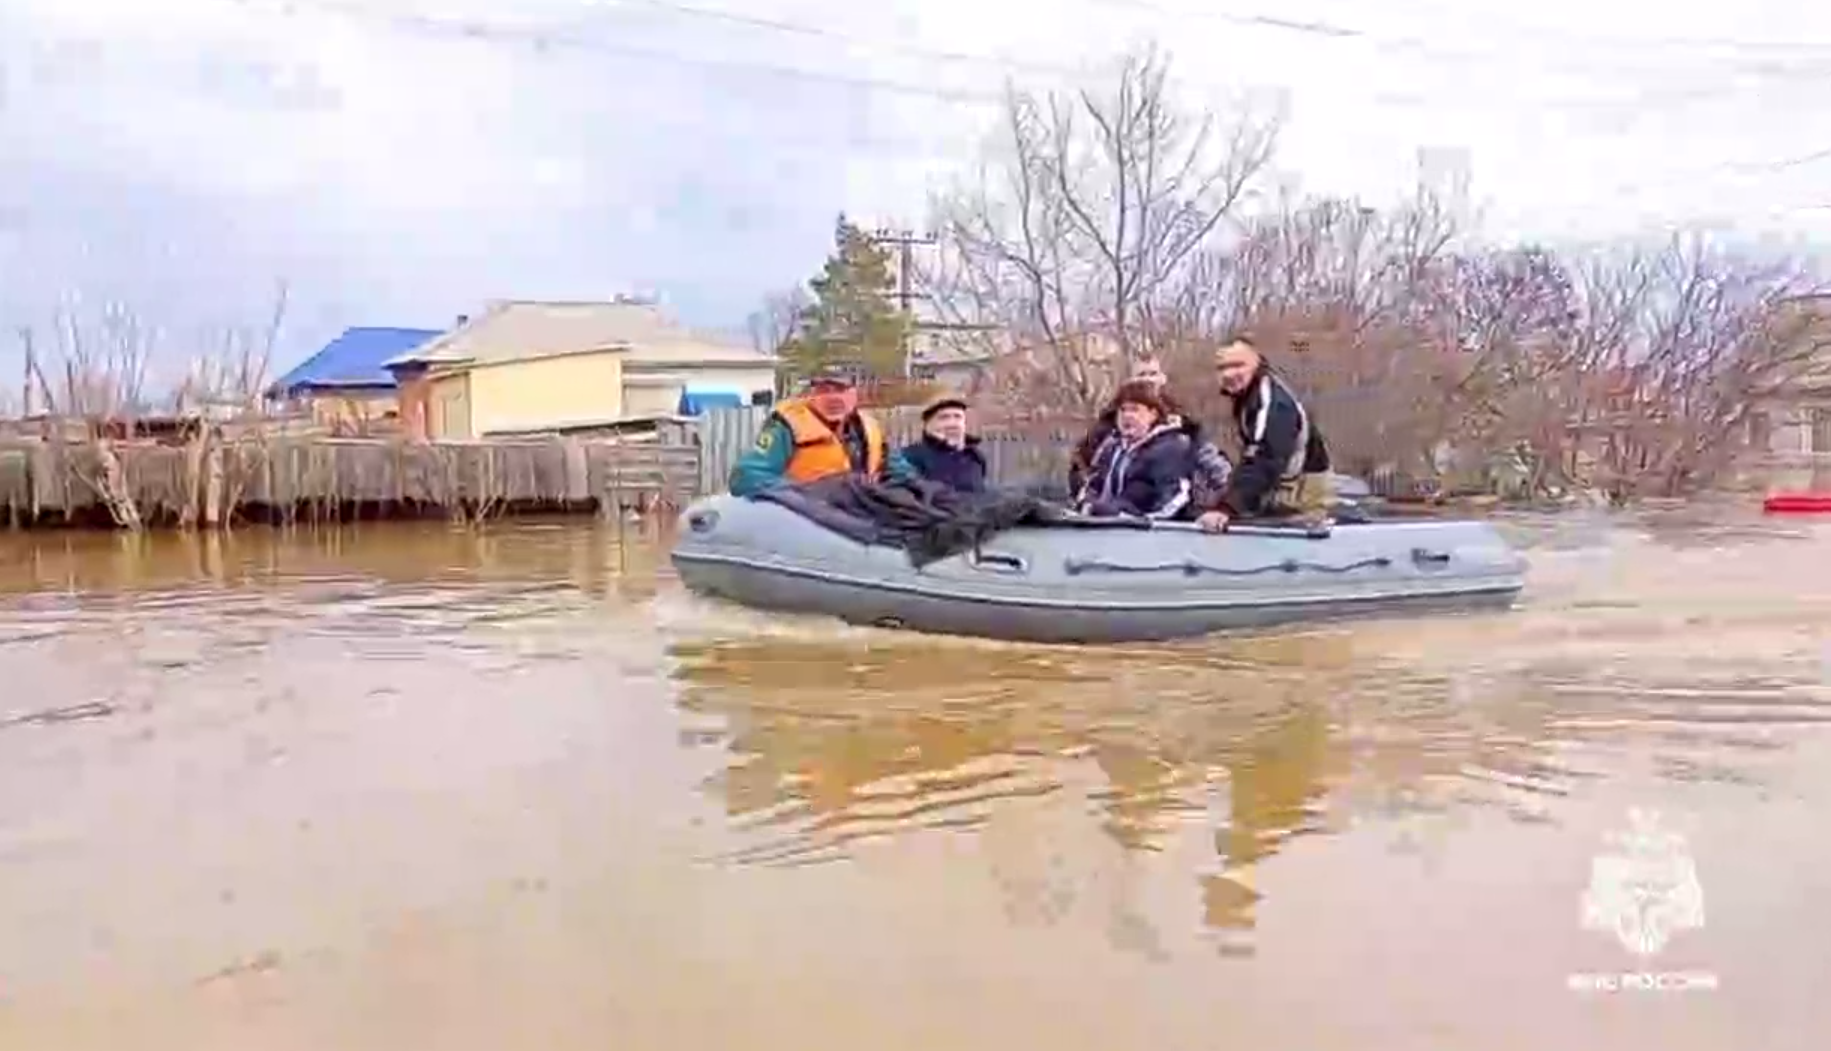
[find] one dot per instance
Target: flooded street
(416, 788)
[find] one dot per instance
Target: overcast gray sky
(399, 161)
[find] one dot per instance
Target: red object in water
(1797, 504)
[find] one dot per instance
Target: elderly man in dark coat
(947, 453)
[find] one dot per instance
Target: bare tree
(1342, 298)
(773, 324)
(1713, 332)
(232, 380)
(1630, 372)
(1105, 225)
(234, 373)
(93, 370)
(91, 367)
(1086, 218)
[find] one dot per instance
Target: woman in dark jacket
(1209, 468)
(1143, 468)
(946, 453)
(1148, 371)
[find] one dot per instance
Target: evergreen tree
(853, 318)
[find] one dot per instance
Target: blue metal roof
(354, 359)
(693, 402)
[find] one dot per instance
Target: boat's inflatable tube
(1096, 582)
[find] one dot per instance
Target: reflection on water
(937, 736)
(594, 559)
(435, 788)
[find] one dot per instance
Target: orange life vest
(819, 450)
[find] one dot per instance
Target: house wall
(962, 377)
(651, 392)
(651, 399)
(415, 405)
(547, 392)
(1800, 424)
(448, 407)
(350, 411)
(1789, 436)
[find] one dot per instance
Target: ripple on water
(1339, 794)
(846, 739)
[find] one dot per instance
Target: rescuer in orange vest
(815, 436)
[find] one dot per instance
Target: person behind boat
(1142, 468)
(1285, 467)
(817, 436)
(946, 453)
(1209, 469)
(1146, 370)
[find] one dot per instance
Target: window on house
(1821, 430)
(1760, 431)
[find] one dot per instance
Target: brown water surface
(416, 788)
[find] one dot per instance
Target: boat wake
(681, 615)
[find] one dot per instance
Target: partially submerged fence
(288, 479)
(218, 480)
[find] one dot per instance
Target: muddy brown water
(418, 788)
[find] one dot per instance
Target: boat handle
(1424, 556)
(995, 562)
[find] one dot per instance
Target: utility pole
(31, 368)
(905, 242)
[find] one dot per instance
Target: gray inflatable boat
(1096, 581)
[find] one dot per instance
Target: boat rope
(1190, 568)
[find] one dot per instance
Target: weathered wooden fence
(288, 479)
(650, 477)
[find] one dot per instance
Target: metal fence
(1031, 458)
(1012, 459)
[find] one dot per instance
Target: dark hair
(1241, 336)
(1140, 392)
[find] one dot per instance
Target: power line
(1767, 167)
(778, 25)
(555, 39)
(1513, 28)
(1255, 21)
(905, 147)
(1505, 27)
(1411, 47)
(1799, 161)
(468, 29)
(1760, 62)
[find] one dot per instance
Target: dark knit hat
(946, 401)
(1141, 392)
